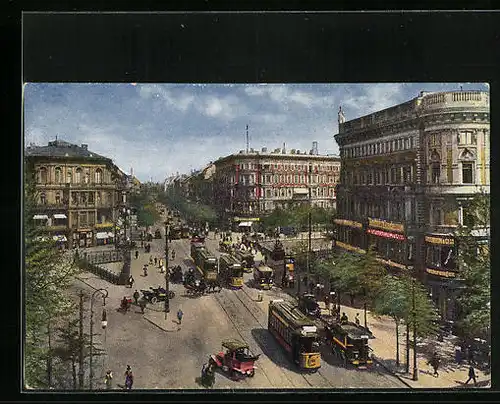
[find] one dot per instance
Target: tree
(48, 274)
(474, 264)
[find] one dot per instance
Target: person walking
(150, 259)
(136, 254)
(344, 319)
(472, 375)
(145, 269)
(156, 261)
(136, 297)
(129, 378)
(162, 268)
(160, 263)
(180, 314)
(142, 305)
(356, 319)
(108, 379)
(435, 362)
(130, 281)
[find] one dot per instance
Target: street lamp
(104, 324)
(415, 369)
(167, 299)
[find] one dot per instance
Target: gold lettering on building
(386, 225)
(444, 274)
(349, 247)
(344, 222)
(439, 240)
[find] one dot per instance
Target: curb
(392, 372)
(158, 326)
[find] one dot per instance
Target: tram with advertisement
(296, 333)
(205, 262)
(231, 271)
(246, 259)
(350, 342)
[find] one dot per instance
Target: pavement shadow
(389, 364)
(273, 350)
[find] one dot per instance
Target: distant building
(407, 174)
(251, 184)
(79, 193)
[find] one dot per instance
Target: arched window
(58, 197)
(78, 175)
(98, 176)
(58, 175)
(42, 176)
(87, 175)
(69, 176)
(43, 198)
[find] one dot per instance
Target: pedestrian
(142, 305)
(130, 281)
(160, 263)
(136, 297)
(356, 319)
(344, 319)
(472, 375)
(129, 378)
(458, 355)
(470, 355)
(156, 261)
(145, 269)
(107, 379)
(435, 362)
(179, 316)
(136, 254)
(162, 269)
(150, 259)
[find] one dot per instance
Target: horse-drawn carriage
(200, 286)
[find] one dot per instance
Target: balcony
(457, 100)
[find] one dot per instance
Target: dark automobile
(157, 295)
(308, 305)
(157, 234)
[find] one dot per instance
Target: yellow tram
(296, 333)
(205, 262)
(246, 259)
(231, 271)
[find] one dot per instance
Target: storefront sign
(350, 223)
(350, 247)
(439, 240)
(386, 225)
(386, 234)
(391, 263)
(246, 219)
(444, 274)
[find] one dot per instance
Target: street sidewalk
(451, 374)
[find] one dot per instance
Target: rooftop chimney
(283, 151)
(315, 148)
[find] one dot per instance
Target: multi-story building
(79, 192)
(254, 183)
(407, 174)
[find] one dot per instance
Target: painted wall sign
(385, 234)
(349, 247)
(350, 223)
(439, 240)
(386, 225)
(444, 274)
(392, 263)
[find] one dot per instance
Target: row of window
(282, 330)
(387, 175)
(393, 211)
(80, 176)
(321, 192)
(467, 173)
(388, 146)
(288, 167)
(441, 257)
(466, 137)
(288, 179)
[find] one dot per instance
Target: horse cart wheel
(154, 300)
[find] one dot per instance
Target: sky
(161, 129)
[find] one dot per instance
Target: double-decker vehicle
(296, 333)
(231, 271)
(206, 263)
(350, 342)
(263, 277)
(246, 259)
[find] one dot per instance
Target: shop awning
(101, 235)
(300, 191)
(245, 224)
(60, 216)
(111, 235)
(40, 217)
(60, 238)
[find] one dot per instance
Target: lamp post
(415, 369)
(309, 220)
(125, 249)
(104, 323)
(167, 299)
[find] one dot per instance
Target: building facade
(251, 184)
(79, 193)
(407, 174)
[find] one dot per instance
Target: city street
(165, 355)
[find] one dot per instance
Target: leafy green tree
(474, 264)
(48, 274)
